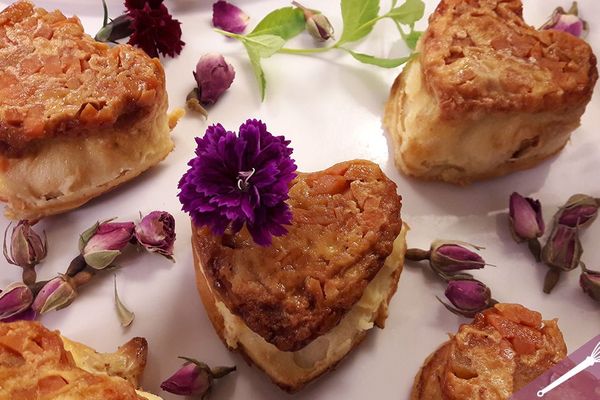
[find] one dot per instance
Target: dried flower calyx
(229, 17)
(317, 24)
(468, 297)
(526, 221)
(149, 26)
(238, 180)
(567, 21)
(194, 378)
(26, 249)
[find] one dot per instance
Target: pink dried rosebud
(525, 215)
(194, 379)
(468, 297)
(228, 17)
(317, 25)
(563, 249)
(27, 248)
(156, 233)
(590, 283)
(580, 210)
(15, 299)
(213, 76)
(103, 242)
(56, 294)
(450, 257)
(567, 21)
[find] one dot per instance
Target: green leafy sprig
(358, 16)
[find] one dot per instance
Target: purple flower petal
(228, 17)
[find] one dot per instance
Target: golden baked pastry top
(479, 55)
(504, 349)
(35, 365)
(345, 220)
(55, 80)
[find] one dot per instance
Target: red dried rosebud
(451, 257)
(27, 248)
(156, 233)
(567, 21)
(580, 210)
(103, 242)
(194, 379)
(563, 249)
(229, 17)
(468, 297)
(525, 215)
(213, 76)
(15, 299)
(56, 294)
(590, 283)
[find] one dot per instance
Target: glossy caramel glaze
(345, 220)
(35, 365)
(479, 55)
(57, 81)
(505, 348)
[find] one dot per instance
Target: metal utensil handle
(588, 362)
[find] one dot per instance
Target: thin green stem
(228, 34)
(286, 50)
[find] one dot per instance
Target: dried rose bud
(15, 299)
(228, 17)
(563, 249)
(27, 248)
(590, 283)
(449, 257)
(525, 215)
(156, 232)
(213, 76)
(194, 379)
(56, 294)
(116, 29)
(580, 210)
(468, 297)
(317, 25)
(567, 21)
(103, 242)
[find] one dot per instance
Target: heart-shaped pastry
(487, 94)
(298, 306)
(77, 117)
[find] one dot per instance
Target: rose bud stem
(29, 275)
(551, 279)
(417, 254)
(77, 265)
(83, 277)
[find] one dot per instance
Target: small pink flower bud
(156, 233)
(194, 378)
(213, 76)
(103, 242)
(525, 215)
(567, 21)
(468, 297)
(56, 294)
(15, 299)
(27, 248)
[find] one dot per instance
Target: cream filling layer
(329, 348)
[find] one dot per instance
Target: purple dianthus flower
(240, 179)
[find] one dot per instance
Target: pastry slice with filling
(487, 94)
(299, 306)
(77, 117)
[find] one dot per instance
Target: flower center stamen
(243, 178)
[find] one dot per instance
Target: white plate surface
(330, 107)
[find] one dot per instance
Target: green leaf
(380, 62)
(264, 45)
(359, 16)
(257, 68)
(284, 22)
(412, 38)
(408, 13)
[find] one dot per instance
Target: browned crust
(392, 122)
(64, 83)
(485, 360)
(35, 364)
(479, 55)
(210, 298)
(303, 284)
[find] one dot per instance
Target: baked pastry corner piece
(77, 117)
(298, 307)
(501, 351)
(36, 363)
(487, 94)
